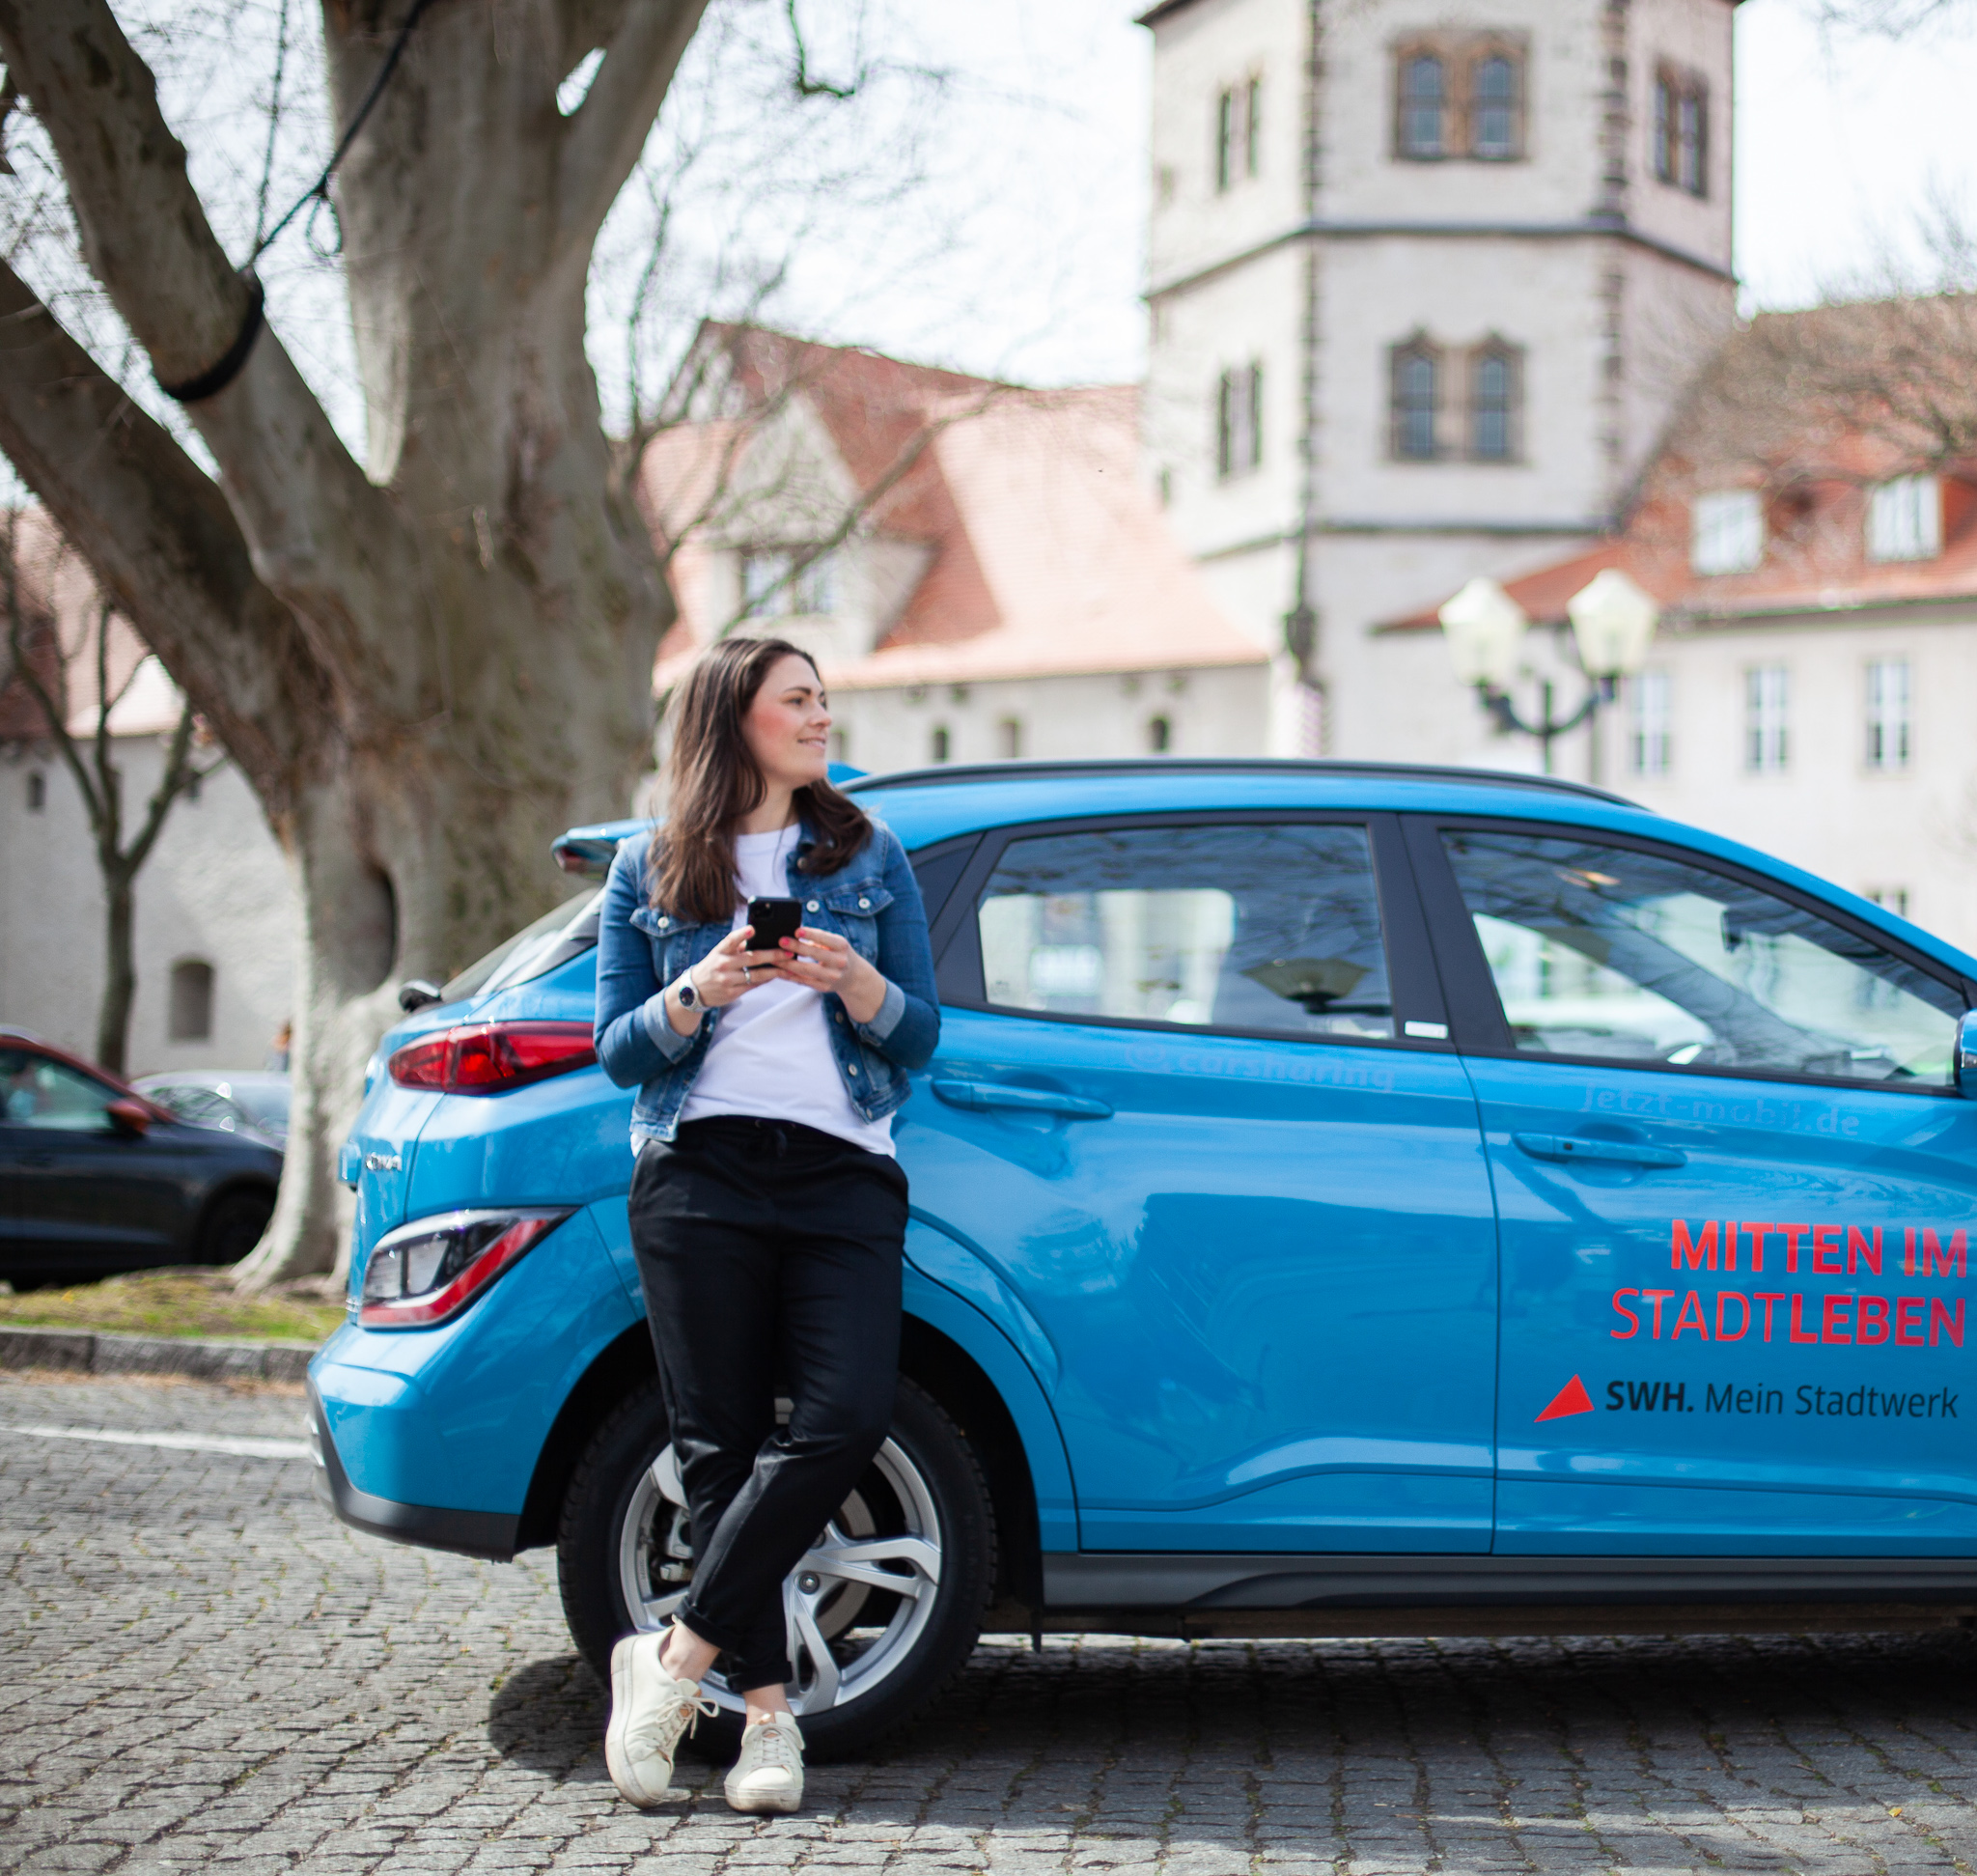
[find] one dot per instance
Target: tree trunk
(435, 662)
(120, 971)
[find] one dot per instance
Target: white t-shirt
(770, 1056)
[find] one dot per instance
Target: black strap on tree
(217, 377)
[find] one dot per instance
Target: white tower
(1426, 278)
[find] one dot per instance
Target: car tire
(922, 1511)
(232, 1226)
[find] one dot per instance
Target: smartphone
(773, 920)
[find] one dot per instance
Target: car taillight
(428, 1273)
(492, 1057)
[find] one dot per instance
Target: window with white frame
(1887, 712)
(1891, 899)
(1904, 519)
(1650, 730)
(1728, 531)
(1766, 730)
(780, 581)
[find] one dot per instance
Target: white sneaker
(768, 1775)
(651, 1713)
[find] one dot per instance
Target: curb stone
(93, 1352)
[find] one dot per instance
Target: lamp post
(1613, 623)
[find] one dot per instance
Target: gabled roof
(1043, 552)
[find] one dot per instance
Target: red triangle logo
(1571, 1398)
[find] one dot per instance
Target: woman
(769, 1213)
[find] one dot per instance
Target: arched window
(1159, 736)
(1494, 400)
(1424, 106)
(37, 790)
(189, 1014)
(1494, 108)
(1417, 401)
(939, 743)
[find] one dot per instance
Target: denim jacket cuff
(666, 1039)
(890, 1010)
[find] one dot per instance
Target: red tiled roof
(1045, 554)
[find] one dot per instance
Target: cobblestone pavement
(199, 1669)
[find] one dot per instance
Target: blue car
(1346, 1199)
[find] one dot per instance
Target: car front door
(1736, 1189)
(1194, 1106)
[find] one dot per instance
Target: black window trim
(1412, 976)
(1477, 1022)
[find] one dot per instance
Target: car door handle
(1612, 1153)
(1029, 1101)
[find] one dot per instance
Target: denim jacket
(873, 901)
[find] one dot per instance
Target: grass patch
(193, 1303)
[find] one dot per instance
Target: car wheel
(868, 1655)
(233, 1226)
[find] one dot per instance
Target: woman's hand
(728, 972)
(822, 961)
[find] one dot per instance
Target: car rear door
(1193, 1104)
(1736, 1189)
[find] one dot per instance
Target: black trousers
(770, 1254)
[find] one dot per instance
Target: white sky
(1839, 142)
(991, 215)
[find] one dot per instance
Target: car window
(1235, 927)
(46, 1094)
(1614, 952)
(204, 1107)
(266, 1104)
(533, 951)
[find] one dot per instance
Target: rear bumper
(489, 1534)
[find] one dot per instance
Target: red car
(96, 1178)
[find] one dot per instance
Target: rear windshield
(572, 929)
(553, 939)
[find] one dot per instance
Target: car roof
(213, 1077)
(926, 805)
(70, 1058)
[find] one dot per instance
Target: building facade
(978, 567)
(1814, 553)
(1427, 281)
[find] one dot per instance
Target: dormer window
(1728, 534)
(774, 585)
(1904, 519)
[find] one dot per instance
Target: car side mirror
(1963, 1065)
(130, 1117)
(415, 994)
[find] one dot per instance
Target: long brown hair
(715, 782)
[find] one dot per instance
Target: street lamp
(1613, 623)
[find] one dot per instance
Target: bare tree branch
(159, 538)
(611, 125)
(146, 236)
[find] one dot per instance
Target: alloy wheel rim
(854, 1606)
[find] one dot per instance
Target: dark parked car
(95, 1178)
